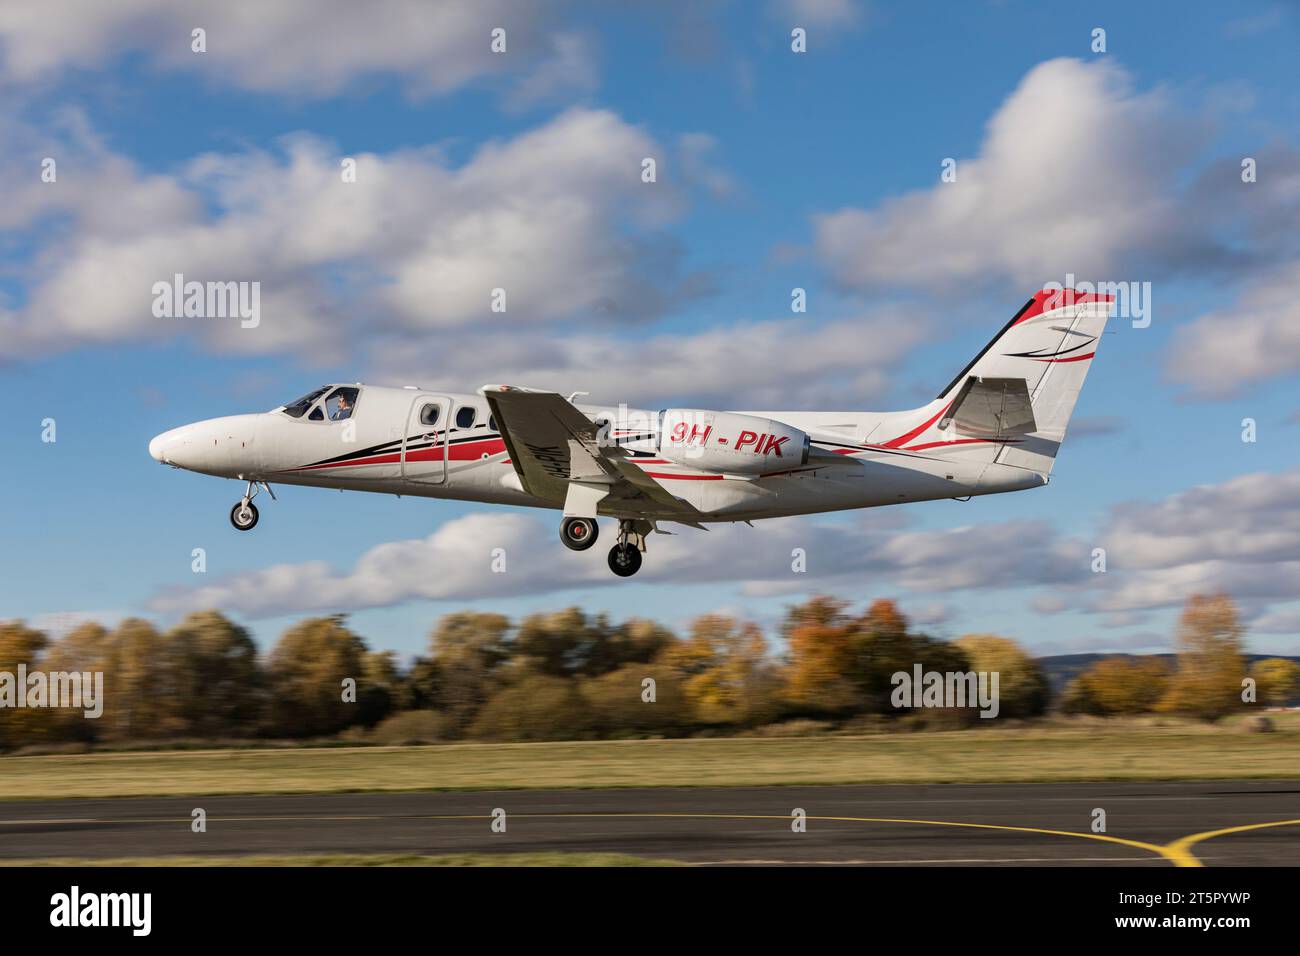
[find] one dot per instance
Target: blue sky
(778, 170)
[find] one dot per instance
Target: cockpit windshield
(299, 408)
(328, 403)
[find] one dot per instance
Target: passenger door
(424, 445)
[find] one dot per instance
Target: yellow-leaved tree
(1207, 682)
(1118, 685)
(1277, 680)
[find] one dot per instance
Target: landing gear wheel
(624, 560)
(244, 516)
(578, 534)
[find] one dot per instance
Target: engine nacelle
(729, 443)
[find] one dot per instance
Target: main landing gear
(244, 515)
(579, 534)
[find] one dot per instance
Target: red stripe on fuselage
(962, 441)
(465, 451)
(372, 460)
(902, 440)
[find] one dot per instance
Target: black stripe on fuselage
(874, 448)
(396, 445)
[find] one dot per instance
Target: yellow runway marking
(1178, 852)
(933, 823)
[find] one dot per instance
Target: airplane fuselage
(384, 447)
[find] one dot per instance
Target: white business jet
(997, 427)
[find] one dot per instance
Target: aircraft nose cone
(217, 446)
(168, 446)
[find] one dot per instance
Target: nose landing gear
(244, 514)
(625, 557)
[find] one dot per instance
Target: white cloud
(557, 216)
(1080, 174)
(932, 614)
(1074, 176)
(696, 152)
(1283, 620)
(58, 624)
(1253, 339)
(1049, 604)
(1250, 519)
(785, 364)
(455, 563)
(1089, 426)
(571, 69)
(306, 48)
(817, 13)
(1240, 536)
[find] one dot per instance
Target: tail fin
(1019, 392)
(1011, 404)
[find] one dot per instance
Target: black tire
(624, 560)
(579, 534)
(251, 518)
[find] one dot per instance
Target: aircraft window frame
(304, 404)
(353, 394)
(317, 413)
(473, 413)
(437, 414)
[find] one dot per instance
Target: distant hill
(1062, 668)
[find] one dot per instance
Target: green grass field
(1101, 751)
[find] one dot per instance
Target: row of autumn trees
(1210, 677)
(568, 675)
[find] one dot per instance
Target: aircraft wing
(553, 445)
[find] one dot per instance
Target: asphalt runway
(1147, 824)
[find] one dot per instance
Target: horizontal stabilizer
(992, 408)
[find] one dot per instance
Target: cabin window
(429, 414)
(465, 417)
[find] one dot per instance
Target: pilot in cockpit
(344, 409)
